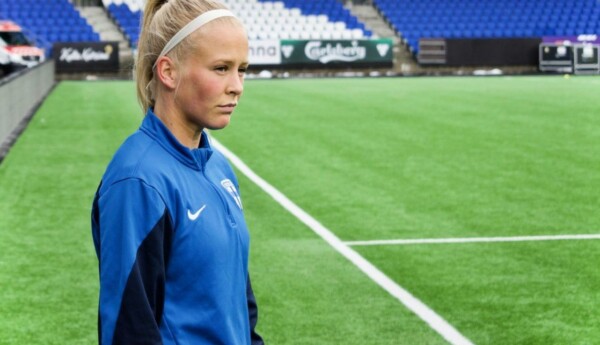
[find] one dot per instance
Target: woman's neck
(186, 132)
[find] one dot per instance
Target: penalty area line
(474, 240)
(435, 321)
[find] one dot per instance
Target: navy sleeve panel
(135, 232)
(143, 299)
(96, 221)
(253, 314)
(96, 238)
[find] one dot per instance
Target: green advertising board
(323, 53)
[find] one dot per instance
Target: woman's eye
(221, 69)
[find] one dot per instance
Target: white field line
(435, 321)
(473, 240)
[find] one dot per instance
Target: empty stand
(127, 19)
(290, 19)
(415, 19)
(48, 21)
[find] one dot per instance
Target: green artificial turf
(370, 159)
(48, 269)
(429, 157)
(504, 293)
(448, 157)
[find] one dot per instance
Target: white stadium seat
(340, 26)
(272, 20)
(315, 35)
(357, 34)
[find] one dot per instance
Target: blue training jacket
(172, 245)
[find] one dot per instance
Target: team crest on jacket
(230, 187)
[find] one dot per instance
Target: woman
(167, 218)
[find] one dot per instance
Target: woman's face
(212, 76)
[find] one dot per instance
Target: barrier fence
(20, 95)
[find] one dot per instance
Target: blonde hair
(162, 20)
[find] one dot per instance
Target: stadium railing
(20, 95)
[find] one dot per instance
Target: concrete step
(372, 20)
(404, 61)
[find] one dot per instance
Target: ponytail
(143, 66)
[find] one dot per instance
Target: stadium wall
(20, 95)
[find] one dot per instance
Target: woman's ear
(166, 71)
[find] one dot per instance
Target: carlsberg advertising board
(314, 53)
(321, 53)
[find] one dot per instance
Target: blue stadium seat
(127, 20)
(331, 11)
(47, 21)
(414, 19)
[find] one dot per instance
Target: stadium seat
(326, 19)
(413, 19)
(47, 22)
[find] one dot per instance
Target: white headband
(191, 27)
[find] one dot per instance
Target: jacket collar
(193, 158)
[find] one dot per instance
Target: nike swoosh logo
(194, 216)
